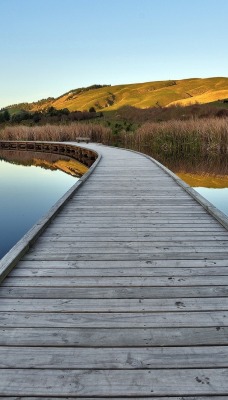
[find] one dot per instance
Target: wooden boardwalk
(123, 296)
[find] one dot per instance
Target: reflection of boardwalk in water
(41, 159)
(46, 161)
(124, 295)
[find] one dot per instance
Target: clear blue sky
(48, 47)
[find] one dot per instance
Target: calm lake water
(28, 193)
(218, 197)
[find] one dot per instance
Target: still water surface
(218, 197)
(27, 193)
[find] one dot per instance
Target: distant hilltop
(141, 95)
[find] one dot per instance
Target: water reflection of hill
(207, 181)
(204, 171)
(208, 165)
(44, 160)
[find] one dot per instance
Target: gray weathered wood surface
(124, 295)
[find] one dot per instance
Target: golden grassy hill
(141, 95)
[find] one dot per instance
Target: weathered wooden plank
(136, 201)
(125, 257)
(113, 292)
(127, 249)
(122, 209)
(119, 398)
(113, 305)
(117, 281)
(65, 271)
(154, 251)
(127, 211)
(109, 210)
(129, 221)
(198, 264)
(114, 358)
(150, 225)
(140, 187)
(47, 243)
(113, 382)
(208, 230)
(114, 320)
(114, 337)
(112, 195)
(123, 292)
(140, 215)
(131, 237)
(96, 236)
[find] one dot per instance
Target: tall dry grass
(204, 136)
(71, 132)
(172, 139)
(199, 145)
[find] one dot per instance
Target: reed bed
(71, 132)
(188, 146)
(204, 136)
(170, 139)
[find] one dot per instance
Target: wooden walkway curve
(123, 296)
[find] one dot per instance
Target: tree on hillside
(51, 111)
(4, 116)
(20, 116)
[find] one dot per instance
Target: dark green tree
(4, 116)
(20, 116)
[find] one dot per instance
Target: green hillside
(141, 95)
